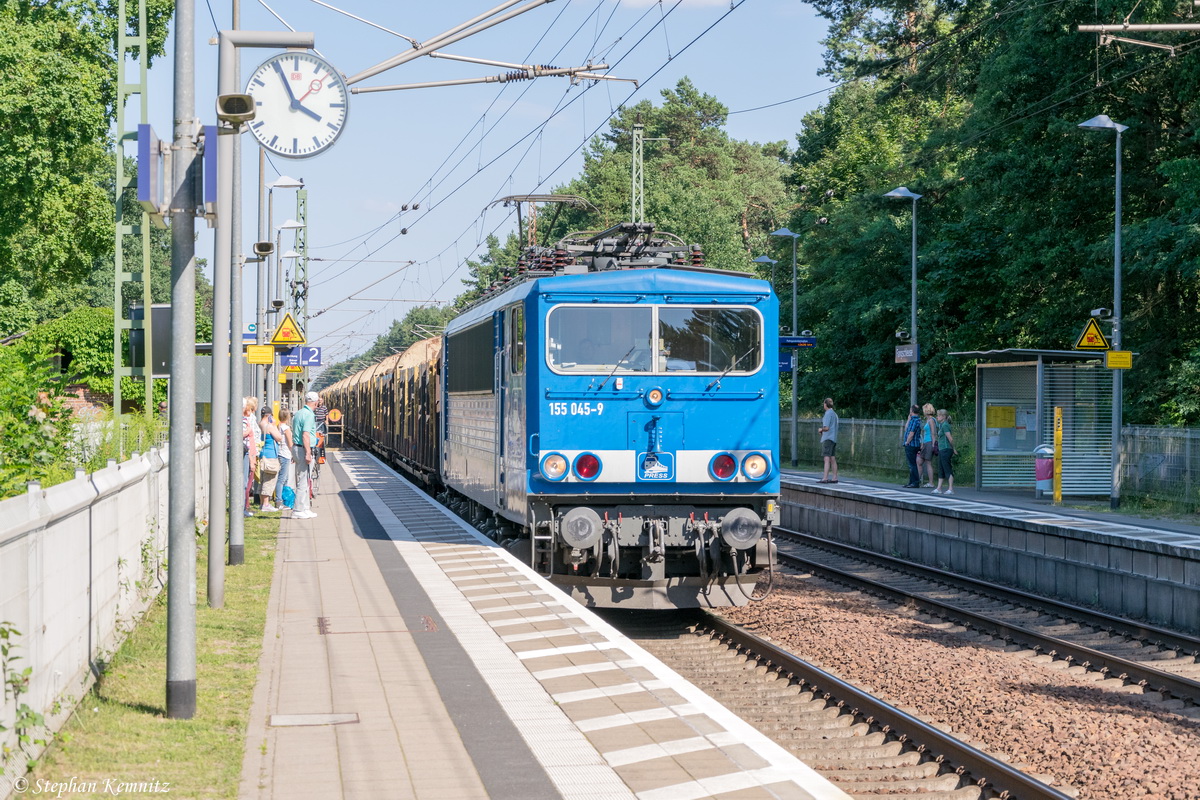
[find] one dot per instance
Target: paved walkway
(407, 657)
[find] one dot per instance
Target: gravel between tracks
(1103, 740)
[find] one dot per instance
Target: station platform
(1134, 567)
(1013, 502)
(407, 656)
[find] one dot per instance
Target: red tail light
(587, 466)
(724, 466)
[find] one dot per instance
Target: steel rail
(986, 771)
(1122, 668)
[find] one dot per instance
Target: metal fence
(79, 563)
(872, 446)
(1159, 464)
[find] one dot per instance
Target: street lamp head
(290, 225)
(291, 254)
(765, 260)
(1102, 122)
(784, 232)
(284, 182)
(903, 193)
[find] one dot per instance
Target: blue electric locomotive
(613, 417)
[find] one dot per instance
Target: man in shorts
(829, 435)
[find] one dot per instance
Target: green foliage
(35, 427)
(976, 107)
(706, 188)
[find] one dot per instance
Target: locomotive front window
(709, 339)
(600, 338)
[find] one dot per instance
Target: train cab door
(511, 480)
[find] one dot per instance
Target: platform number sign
(301, 357)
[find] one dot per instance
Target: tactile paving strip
(603, 717)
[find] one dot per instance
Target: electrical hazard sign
(289, 332)
(1092, 338)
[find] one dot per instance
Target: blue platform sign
(655, 467)
(797, 341)
(786, 359)
(303, 356)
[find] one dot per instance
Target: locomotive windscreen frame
(470, 360)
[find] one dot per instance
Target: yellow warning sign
(1119, 359)
(335, 415)
(289, 332)
(1092, 338)
(293, 369)
(282, 379)
(260, 354)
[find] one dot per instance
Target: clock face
(300, 103)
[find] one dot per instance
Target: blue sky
(455, 150)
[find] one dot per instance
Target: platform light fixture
(1102, 122)
(794, 237)
(903, 193)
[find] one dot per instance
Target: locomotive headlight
(587, 466)
(755, 466)
(723, 466)
(741, 528)
(554, 467)
(580, 528)
(654, 397)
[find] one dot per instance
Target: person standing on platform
(321, 413)
(304, 452)
(829, 436)
(268, 462)
(928, 438)
(285, 455)
(946, 452)
(249, 447)
(910, 437)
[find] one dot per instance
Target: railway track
(862, 744)
(1120, 650)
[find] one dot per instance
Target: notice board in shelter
(1010, 426)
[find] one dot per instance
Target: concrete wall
(79, 564)
(1119, 573)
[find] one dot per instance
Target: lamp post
(264, 271)
(794, 237)
(902, 193)
(1102, 122)
(772, 262)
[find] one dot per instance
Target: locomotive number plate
(576, 409)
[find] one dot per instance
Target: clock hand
(286, 84)
(306, 110)
(295, 104)
(315, 86)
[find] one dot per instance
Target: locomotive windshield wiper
(729, 369)
(617, 366)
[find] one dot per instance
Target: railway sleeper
(840, 722)
(859, 731)
(848, 777)
(926, 787)
(869, 742)
(880, 755)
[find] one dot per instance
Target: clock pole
(222, 399)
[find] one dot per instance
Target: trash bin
(1043, 468)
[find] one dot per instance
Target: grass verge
(120, 732)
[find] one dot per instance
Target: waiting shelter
(1016, 392)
